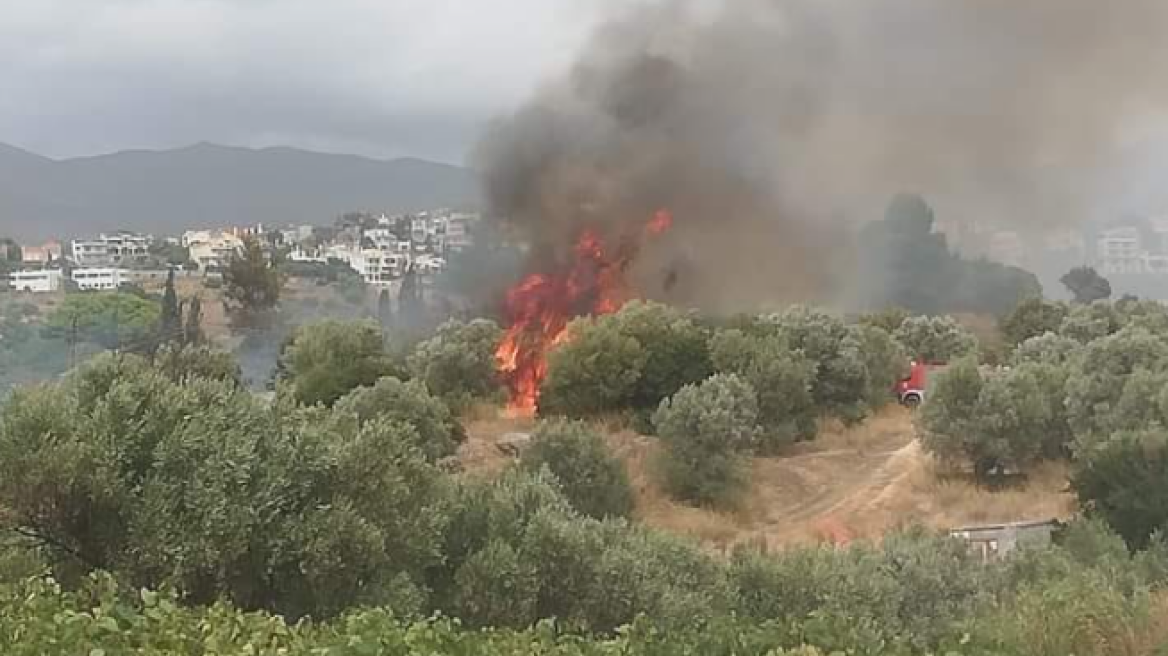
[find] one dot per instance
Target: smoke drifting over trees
(766, 126)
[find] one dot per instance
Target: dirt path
(849, 484)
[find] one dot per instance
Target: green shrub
(327, 360)
(201, 487)
(594, 373)
(782, 379)
(593, 480)
(627, 361)
(458, 363)
(935, 339)
(436, 431)
(1124, 480)
(1006, 421)
(707, 429)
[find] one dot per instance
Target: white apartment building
(36, 281)
(109, 249)
(1120, 250)
(459, 234)
(99, 278)
(377, 267)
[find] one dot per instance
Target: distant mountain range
(165, 192)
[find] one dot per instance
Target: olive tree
(592, 479)
(1101, 374)
(595, 372)
(198, 485)
(1091, 321)
(1031, 318)
(781, 378)
(1124, 480)
(629, 360)
(458, 362)
(1007, 420)
(842, 381)
(935, 339)
(436, 433)
(706, 430)
(324, 361)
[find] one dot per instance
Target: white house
(377, 267)
(1120, 250)
(98, 278)
(109, 249)
(39, 281)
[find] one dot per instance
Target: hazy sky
(376, 77)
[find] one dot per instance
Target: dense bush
(201, 487)
(324, 361)
(842, 380)
(935, 339)
(1091, 321)
(1102, 373)
(1124, 480)
(594, 373)
(593, 480)
(435, 431)
(458, 362)
(706, 430)
(630, 360)
(1002, 422)
(1031, 318)
(782, 379)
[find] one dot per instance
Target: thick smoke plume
(769, 127)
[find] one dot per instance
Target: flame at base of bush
(539, 308)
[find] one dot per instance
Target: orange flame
(539, 308)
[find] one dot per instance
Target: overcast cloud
(377, 77)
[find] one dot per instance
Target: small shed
(993, 541)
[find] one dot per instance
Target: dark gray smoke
(762, 123)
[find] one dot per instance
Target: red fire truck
(911, 390)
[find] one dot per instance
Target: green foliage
(1097, 397)
(251, 286)
(935, 339)
(1090, 321)
(113, 320)
(1048, 348)
(326, 360)
(595, 372)
(782, 379)
(1086, 285)
(911, 591)
(1005, 421)
(185, 363)
(885, 360)
(630, 360)
(1032, 317)
(436, 433)
(458, 363)
(706, 429)
(193, 326)
(888, 319)
(198, 486)
(170, 323)
(841, 381)
(1124, 480)
(592, 479)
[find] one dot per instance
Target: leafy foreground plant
(37, 619)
